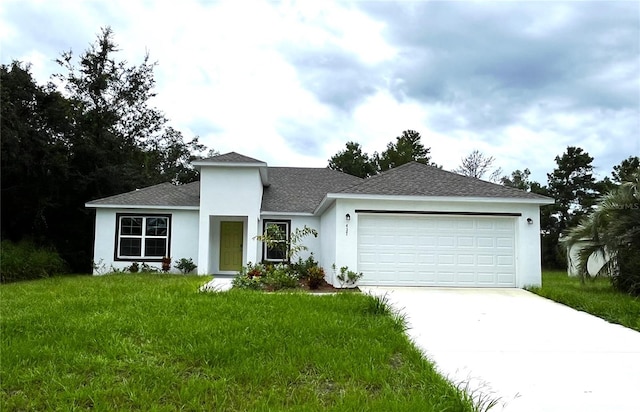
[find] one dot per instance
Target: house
(415, 225)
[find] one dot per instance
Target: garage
(445, 250)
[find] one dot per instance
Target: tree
(353, 161)
(519, 180)
(573, 186)
(612, 231)
(95, 135)
(407, 148)
(34, 165)
(477, 165)
(626, 169)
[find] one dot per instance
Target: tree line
(571, 183)
(90, 132)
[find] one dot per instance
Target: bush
(302, 267)
(24, 260)
(185, 265)
(347, 277)
(315, 277)
(266, 277)
(250, 277)
(281, 277)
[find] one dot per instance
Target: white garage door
(430, 250)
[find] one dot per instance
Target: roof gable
(417, 179)
(231, 157)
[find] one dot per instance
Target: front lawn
(596, 297)
(151, 342)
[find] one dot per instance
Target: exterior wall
(183, 242)
(297, 222)
(528, 268)
(227, 193)
(328, 227)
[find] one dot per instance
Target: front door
(231, 234)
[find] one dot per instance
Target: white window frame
(143, 237)
(265, 249)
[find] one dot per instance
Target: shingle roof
(164, 194)
(231, 157)
(300, 189)
(417, 179)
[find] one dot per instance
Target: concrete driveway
(531, 353)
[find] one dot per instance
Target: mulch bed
(325, 288)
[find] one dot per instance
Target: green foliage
(250, 277)
(407, 148)
(275, 238)
(573, 187)
(185, 265)
(596, 297)
(135, 342)
(90, 133)
(302, 267)
(146, 268)
(315, 277)
(626, 169)
(266, 277)
(280, 277)
(380, 306)
(347, 277)
(613, 231)
(519, 179)
(35, 157)
(353, 161)
(134, 268)
(25, 260)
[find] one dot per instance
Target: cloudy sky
(291, 82)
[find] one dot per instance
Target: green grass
(596, 297)
(151, 342)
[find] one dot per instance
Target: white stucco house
(415, 225)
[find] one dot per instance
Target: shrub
(280, 277)
(185, 265)
(148, 269)
(315, 277)
(24, 260)
(266, 277)
(347, 277)
(302, 267)
(134, 268)
(250, 277)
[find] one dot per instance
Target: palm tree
(612, 231)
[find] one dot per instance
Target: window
(142, 237)
(278, 252)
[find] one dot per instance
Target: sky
(291, 82)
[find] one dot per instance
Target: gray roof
(231, 157)
(301, 189)
(417, 179)
(164, 194)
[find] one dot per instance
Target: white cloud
(226, 72)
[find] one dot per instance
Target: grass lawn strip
(596, 297)
(152, 342)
